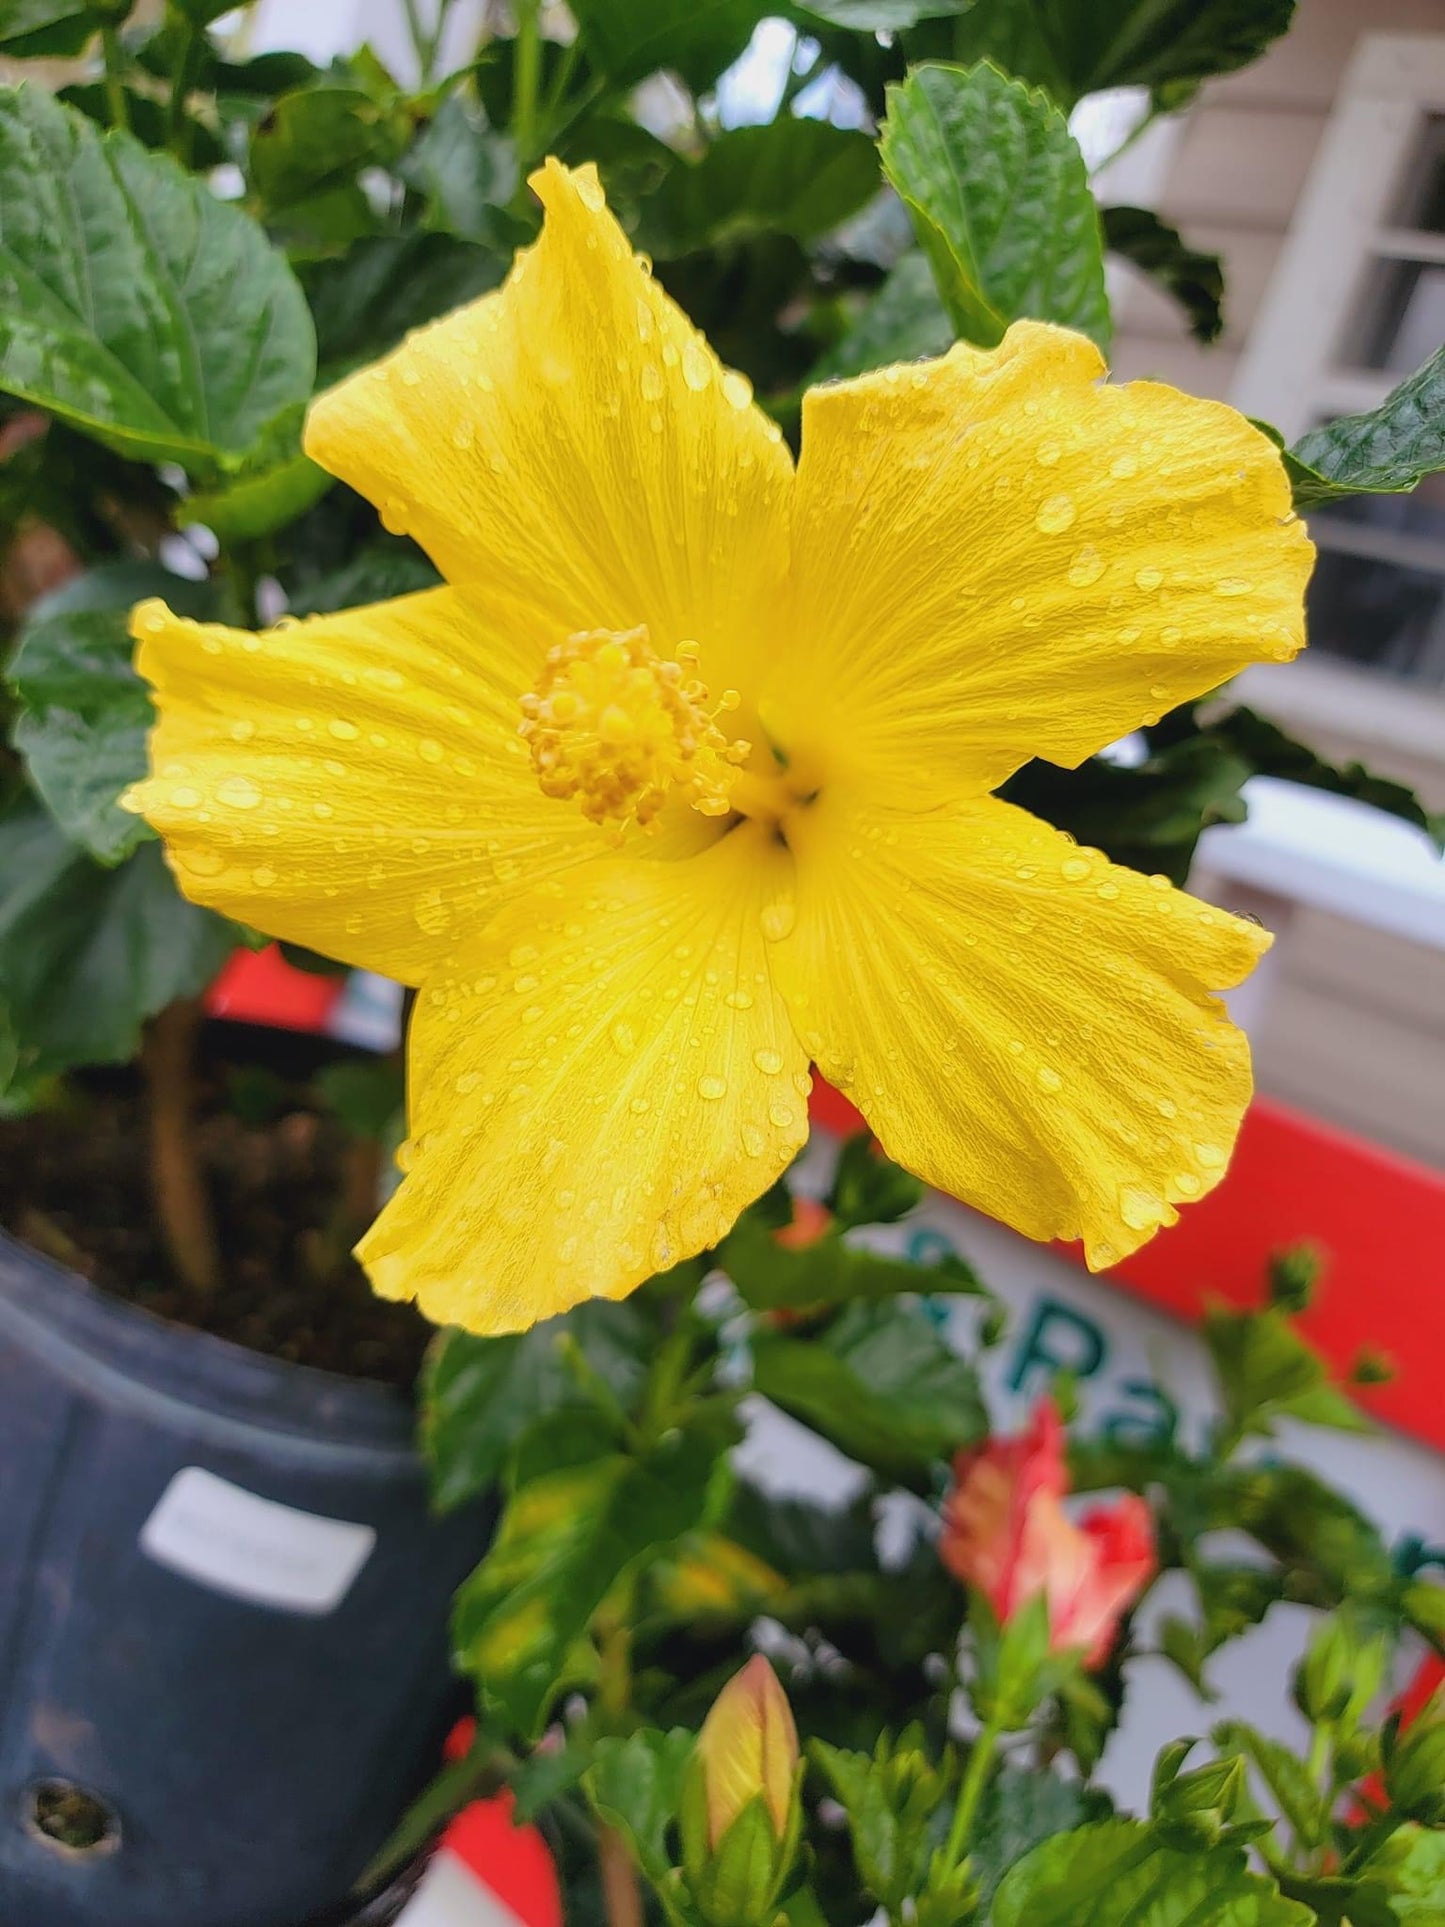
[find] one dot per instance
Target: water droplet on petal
(430, 750)
(1140, 1209)
(712, 1087)
(778, 919)
(238, 793)
(1056, 514)
(1086, 568)
(1076, 868)
(623, 1037)
(696, 367)
(768, 1061)
(1209, 1155)
(589, 191)
(737, 389)
(1049, 1080)
(1148, 579)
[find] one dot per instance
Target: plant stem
(168, 1059)
(526, 77)
(1372, 1838)
(969, 1794)
(178, 128)
(114, 87)
(620, 1892)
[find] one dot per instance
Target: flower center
(614, 725)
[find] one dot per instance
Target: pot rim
(214, 1386)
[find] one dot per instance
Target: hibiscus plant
(661, 590)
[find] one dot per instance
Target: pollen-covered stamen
(614, 725)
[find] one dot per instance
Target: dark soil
(75, 1184)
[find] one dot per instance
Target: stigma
(621, 730)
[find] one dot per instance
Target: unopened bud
(1293, 1275)
(748, 1746)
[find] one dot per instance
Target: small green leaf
(1412, 1867)
(270, 487)
(903, 321)
(1195, 280)
(319, 138)
(879, 16)
(133, 304)
(636, 1784)
(86, 712)
(466, 174)
(568, 1535)
(771, 1277)
(365, 300)
(1266, 1372)
(1116, 1873)
(881, 1384)
(86, 953)
(629, 39)
(1384, 452)
(1424, 1606)
(1077, 47)
(999, 197)
(37, 29)
(1285, 1775)
(797, 177)
(480, 1395)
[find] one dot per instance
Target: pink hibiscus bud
(1005, 1533)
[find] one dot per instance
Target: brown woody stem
(619, 1880)
(168, 1059)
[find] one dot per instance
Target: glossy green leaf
(1194, 279)
(86, 953)
(365, 300)
(146, 118)
(904, 321)
(882, 1384)
(319, 138)
(1076, 47)
(1114, 1873)
(480, 1395)
(465, 174)
(1383, 452)
(770, 1276)
(636, 1785)
(133, 303)
(1412, 1866)
(999, 198)
(1020, 1809)
(796, 177)
(82, 729)
(567, 1537)
(376, 572)
(628, 39)
(891, 1798)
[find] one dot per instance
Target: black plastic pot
(223, 1607)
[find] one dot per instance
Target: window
(1356, 304)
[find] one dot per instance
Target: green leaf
(480, 1395)
(270, 487)
(368, 298)
(366, 1094)
(133, 303)
(567, 1537)
(1285, 1775)
(1195, 280)
(1019, 1809)
(797, 177)
(377, 572)
(628, 39)
(881, 1384)
(1076, 47)
(86, 712)
(147, 118)
(319, 138)
(87, 954)
(891, 1798)
(466, 174)
(879, 16)
(869, 1188)
(1307, 1526)
(1266, 1372)
(635, 1784)
(1270, 751)
(770, 1277)
(999, 198)
(1384, 452)
(1423, 1605)
(1117, 1873)
(904, 321)
(458, 1783)
(1412, 1866)
(35, 29)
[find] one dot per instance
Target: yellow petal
(997, 558)
(572, 439)
(353, 782)
(1023, 1023)
(599, 1085)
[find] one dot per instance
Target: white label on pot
(252, 1548)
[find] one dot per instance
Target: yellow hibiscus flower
(683, 778)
